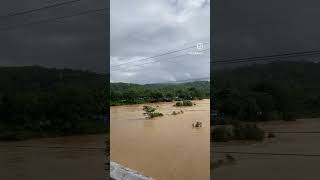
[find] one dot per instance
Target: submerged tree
(150, 112)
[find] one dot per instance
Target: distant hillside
(37, 101)
(296, 75)
(278, 88)
(31, 78)
(124, 93)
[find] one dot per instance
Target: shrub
(187, 103)
(271, 135)
(177, 112)
(184, 103)
(149, 109)
(217, 164)
(197, 124)
(230, 158)
(154, 114)
(150, 112)
(221, 134)
(289, 117)
(248, 132)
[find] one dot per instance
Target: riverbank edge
(43, 136)
(138, 103)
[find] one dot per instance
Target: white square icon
(200, 46)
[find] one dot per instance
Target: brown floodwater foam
(165, 147)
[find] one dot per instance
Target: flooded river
(66, 158)
(293, 154)
(165, 147)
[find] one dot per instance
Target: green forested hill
(279, 90)
(124, 93)
(38, 78)
(37, 101)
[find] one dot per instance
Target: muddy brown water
(274, 167)
(62, 158)
(165, 147)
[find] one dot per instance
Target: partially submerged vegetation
(184, 103)
(271, 135)
(150, 112)
(197, 124)
(229, 159)
(154, 114)
(263, 92)
(177, 112)
(238, 131)
(248, 132)
(246, 96)
(222, 134)
(148, 109)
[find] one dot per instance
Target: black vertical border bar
(211, 78)
(107, 139)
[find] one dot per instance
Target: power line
(154, 61)
(207, 78)
(149, 62)
(269, 154)
(52, 19)
(241, 60)
(250, 59)
(266, 58)
(193, 42)
(39, 9)
(296, 132)
(184, 80)
(238, 60)
(159, 55)
(164, 60)
(57, 147)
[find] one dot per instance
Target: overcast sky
(144, 28)
(78, 42)
(244, 28)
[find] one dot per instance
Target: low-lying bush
(184, 103)
(221, 134)
(154, 114)
(248, 132)
(177, 112)
(150, 112)
(238, 132)
(187, 103)
(271, 135)
(289, 117)
(148, 109)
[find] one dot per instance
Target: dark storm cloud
(78, 42)
(144, 28)
(250, 27)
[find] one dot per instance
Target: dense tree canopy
(279, 90)
(123, 93)
(36, 101)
